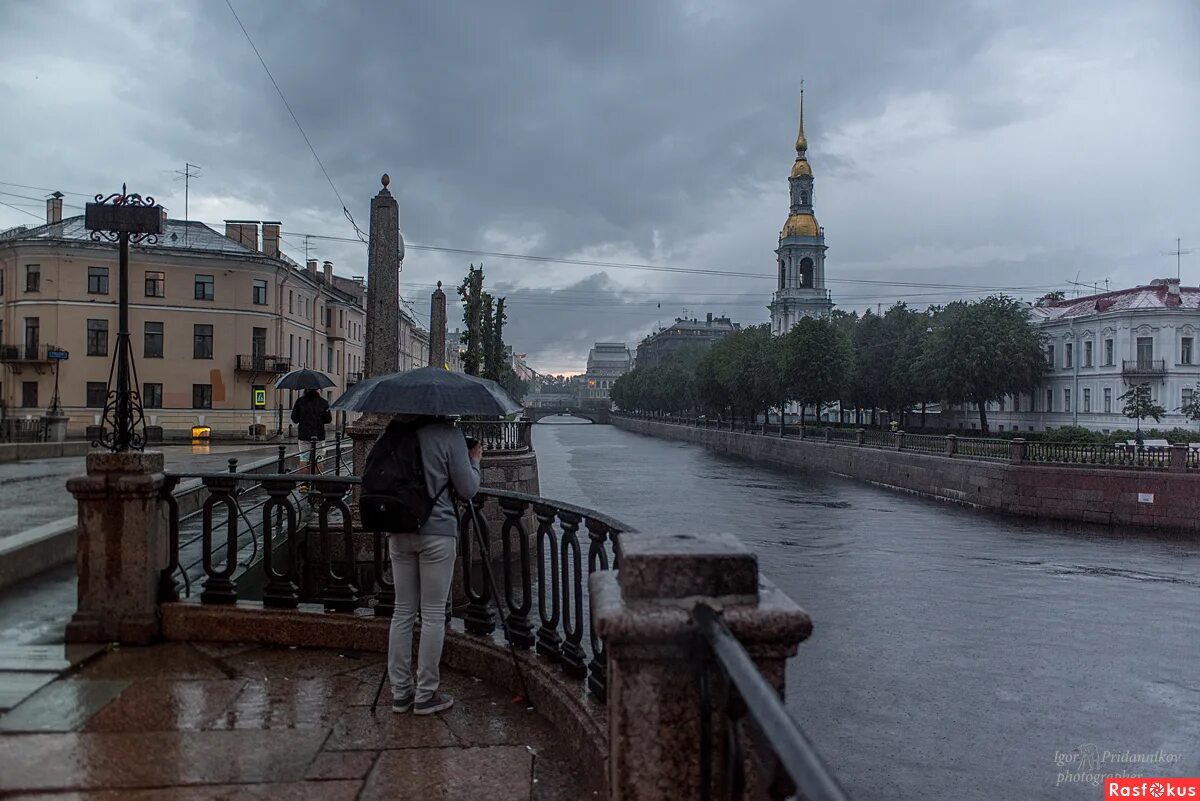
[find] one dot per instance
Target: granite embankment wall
(1145, 498)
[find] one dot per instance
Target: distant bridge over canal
(593, 414)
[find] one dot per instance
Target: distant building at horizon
(607, 361)
(683, 333)
(800, 257)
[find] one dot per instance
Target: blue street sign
(57, 355)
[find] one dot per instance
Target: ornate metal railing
(543, 554)
(504, 436)
(1147, 457)
(781, 755)
(254, 363)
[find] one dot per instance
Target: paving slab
(61, 705)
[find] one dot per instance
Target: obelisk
(382, 344)
(437, 328)
(384, 255)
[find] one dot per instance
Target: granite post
(121, 548)
(437, 327)
(656, 659)
(385, 253)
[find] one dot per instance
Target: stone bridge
(593, 414)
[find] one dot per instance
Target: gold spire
(801, 142)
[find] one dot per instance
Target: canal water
(955, 654)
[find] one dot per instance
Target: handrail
(784, 736)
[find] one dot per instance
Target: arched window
(806, 272)
(803, 198)
(781, 272)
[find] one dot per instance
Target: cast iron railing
(547, 551)
(788, 763)
(1144, 457)
(505, 436)
(263, 364)
(1143, 367)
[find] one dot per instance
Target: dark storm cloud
(954, 142)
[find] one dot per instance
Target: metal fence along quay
(1179, 457)
(248, 539)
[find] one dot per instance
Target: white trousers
(422, 569)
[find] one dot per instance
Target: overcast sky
(972, 144)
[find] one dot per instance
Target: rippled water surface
(955, 654)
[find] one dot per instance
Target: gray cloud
(952, 143)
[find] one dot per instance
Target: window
(1049, 400)
(329, 360)
(328, 317)
(260, 292)
(341, 316)
(1066, 400)
(33, 328)
(1108, 352)
(204, 287)
(153, 348)
(1145, 352)
(29, 394)
(152, 396)
(1087, 353)
(97, 337)
(1185, 350)
(202, 341)
(97, 280)
(1068, 354)
(1050, 355)
(291, 305)
(1108, 400)
(291, 347)
(1, 282)
(97, 391)
(156, 285)
(258, 344)
(1187, 397)
(33, 278)
(1087, 400)
(201, 396)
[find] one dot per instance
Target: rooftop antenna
(188, 175)
(1178, 253)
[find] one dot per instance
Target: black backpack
(394, 496)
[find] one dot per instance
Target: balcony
(353, 378)
(25, 354)
(263, 364)
(1143, 368)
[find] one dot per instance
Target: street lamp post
(123, 218)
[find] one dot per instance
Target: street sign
(57, 355)
(260, 399)
(123, 219)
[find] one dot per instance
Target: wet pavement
(955, 654)
(208, 721)
(35, 492)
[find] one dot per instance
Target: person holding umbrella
(421, 446)
(310, 412)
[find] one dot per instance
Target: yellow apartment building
(214, 321)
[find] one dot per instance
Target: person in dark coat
(310, 413)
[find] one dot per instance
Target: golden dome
(800, 224)
(801, 168)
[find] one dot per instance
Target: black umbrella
(429, 391)
(304, 379)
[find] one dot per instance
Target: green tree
(817, 360)
(471, 292)
(1139, 404)
(981, 351)
(1191, 407)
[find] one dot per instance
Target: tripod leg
(379, 692)
(491, 578)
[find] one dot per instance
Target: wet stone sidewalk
(218, 721)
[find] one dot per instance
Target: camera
(471, 441)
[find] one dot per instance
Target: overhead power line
(299, 127)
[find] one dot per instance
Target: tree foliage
(1138, 404)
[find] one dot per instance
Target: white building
(606, 362)
(1098, 347)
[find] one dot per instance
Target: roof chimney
(54, 208)
(310, 267)
(327, 268)
(270, 232)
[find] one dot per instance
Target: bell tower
(800, 258)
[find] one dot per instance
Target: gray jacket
(447, 465)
